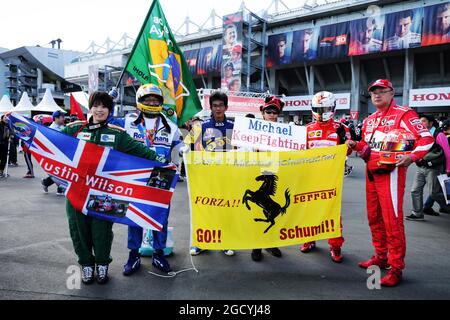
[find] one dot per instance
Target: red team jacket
(377, 125)
(323, 134)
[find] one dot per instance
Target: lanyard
(149, 134)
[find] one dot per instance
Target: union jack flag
(101, 182)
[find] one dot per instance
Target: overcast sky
(78, 23)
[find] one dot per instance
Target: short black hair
(218, 95)
(443, 7)
(250, 115)
(281, 37)
(429, 117)
(101, 97)
(405, 14)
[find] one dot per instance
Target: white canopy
(24, 106)
(47, 104)
(5, 104)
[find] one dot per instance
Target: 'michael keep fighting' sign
(268, 136)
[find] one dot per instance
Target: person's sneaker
(44, 187)
(257, 255)
(181, 179)
(392, 278)
(195, 251)
(87, 274)
(133, 264)
(28, 176)
(60, 191)
(15, 164)
(443, 210)
(375, 261)
(308, 246)
(413, 217)
(160, 263)
(274, 251)
(336, 254)
(430, 212)
(228, 252)
(102, 273)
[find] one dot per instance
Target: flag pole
(136, 42)
(121, 76)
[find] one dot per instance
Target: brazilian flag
(156, 58)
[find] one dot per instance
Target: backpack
(435, 157)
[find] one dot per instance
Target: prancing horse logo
(262, 198)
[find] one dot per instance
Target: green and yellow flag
(156, 58)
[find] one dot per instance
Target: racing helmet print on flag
(396, 144)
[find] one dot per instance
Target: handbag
(435, 157)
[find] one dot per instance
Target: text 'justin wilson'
(257, 125)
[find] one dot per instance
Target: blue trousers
(159, 237)
(428, 203)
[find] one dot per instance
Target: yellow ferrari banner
(246, 200)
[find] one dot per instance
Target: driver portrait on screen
(404, 37)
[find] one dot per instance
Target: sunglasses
(271, 112)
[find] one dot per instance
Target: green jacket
(109, 136)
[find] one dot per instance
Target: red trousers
(384, 195)
(337, 242)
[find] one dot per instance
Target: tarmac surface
(36, 253)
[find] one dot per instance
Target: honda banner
(303, 103)
(430, 97)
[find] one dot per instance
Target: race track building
(350, 44)
(32, 70)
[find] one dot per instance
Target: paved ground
(36, 251)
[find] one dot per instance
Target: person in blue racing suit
(151, 127)
(215, 136)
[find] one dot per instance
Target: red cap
(381, 83)
(273, 102)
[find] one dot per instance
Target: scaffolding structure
(109, 47)
(253, 52)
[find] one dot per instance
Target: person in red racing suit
(326, 132)
(385, 184)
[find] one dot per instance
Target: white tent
(5, 104)
(47, 104)
(24, 106)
